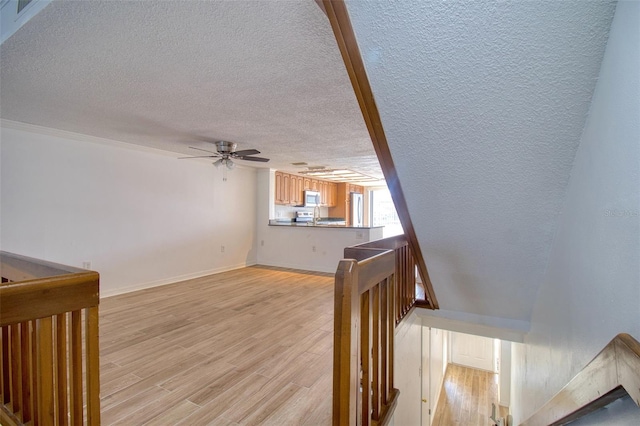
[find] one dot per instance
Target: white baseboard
(171, 280)
(305, 267)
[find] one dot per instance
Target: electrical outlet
(262, 243)
(86, 264)
(313, 249)
(221, 249)
(359, 235)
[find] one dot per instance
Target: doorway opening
(463, 375)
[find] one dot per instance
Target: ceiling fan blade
(200, 149)
(244, 152)
(199, 156)
(263, 160)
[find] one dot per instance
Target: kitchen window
(383, 212)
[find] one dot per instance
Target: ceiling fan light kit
(226, 151)
(224, 162)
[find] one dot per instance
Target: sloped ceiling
(174, 74)
(483, 105)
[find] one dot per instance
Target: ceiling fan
(226, 151)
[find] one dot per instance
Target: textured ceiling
(174, 74)
(483, 105)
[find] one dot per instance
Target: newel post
(345, 344)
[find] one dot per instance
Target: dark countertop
(311, 225)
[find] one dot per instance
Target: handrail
(612, 374)
(408, 294)
(363, 392)
(45, 350)
(338, 16)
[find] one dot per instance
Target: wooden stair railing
(410, 292)
(363, 392)
(612, 374)
(49, 365)
(338, 16)
(375, 288)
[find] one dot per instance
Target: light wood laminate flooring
(466, 397)
(249, 346)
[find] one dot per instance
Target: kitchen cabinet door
(332, 193)
(279, 197)
(356, 188)
(314, 185)
(307, 184)
(295, 190)
(300, 180)
(324, 199)
(286, 188)
(341, 197)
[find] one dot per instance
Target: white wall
(140, 216)
(504, 386)
(407, 363)
(591, 289)
(437, 367)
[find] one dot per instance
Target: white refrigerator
(357, 209)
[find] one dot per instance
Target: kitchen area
(305, 223)
(303, 201)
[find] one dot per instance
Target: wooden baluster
(25, 363)
(365, 357)
(6, 367)
(401, 281)
(93, 366)
(405, 278)
(412, 281)
(391, 331)
(16, 369)
(45, 371)
(411, 273)
(1, 367)
(75, 369)
(34, 372)
(398, 291)
(61, 364)
(375, 359)
(384, 344)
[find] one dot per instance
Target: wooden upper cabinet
(324, 192)
(290, 190)
(283, 185)
(341, 195)
(355, 188)
(295, 191)
(293, 185)
(332, 193)
(286, 188)
(279, 197)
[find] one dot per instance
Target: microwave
(311, 198)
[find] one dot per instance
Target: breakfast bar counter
(320, 225)
(308, 246)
